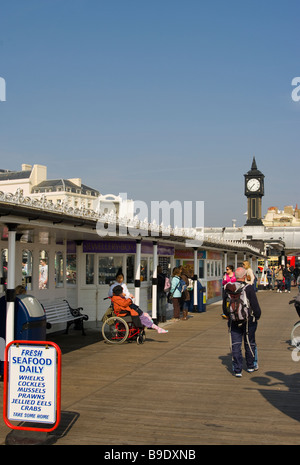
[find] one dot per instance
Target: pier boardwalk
(178, 389)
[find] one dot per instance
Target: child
(124, 307)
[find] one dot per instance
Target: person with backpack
(186, 276)
(175, 292)
(243, 313)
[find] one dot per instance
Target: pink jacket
(227, 279)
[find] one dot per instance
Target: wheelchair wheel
(295, 335)
(141, 338)
(115, 330)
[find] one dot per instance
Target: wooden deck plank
(178, 388)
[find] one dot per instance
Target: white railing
(112, 218)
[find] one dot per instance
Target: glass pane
(43, 270)
(165, 263)
(27, 269)
(208, 269)
(89, 279)
(3, 269)
(71, 269)
(144, 269)
(59, 269)
(130, 269)
(201, 269)
(108, 268)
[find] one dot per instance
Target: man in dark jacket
(246, 331)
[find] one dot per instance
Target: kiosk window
(108, 268)
(144, 269)
(71, 269)
(89, 269)
(130, 269)
(43, 270)
(59, 269)
(3, 269)
(27, 269)
(201, 269)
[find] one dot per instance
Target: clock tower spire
(254, 191)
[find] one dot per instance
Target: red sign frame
(58, 387)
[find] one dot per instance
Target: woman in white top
(120, 282)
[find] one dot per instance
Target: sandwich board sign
(32, 384)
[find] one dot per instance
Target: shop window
(130, 269)
(201, 269)
(3, 269)
(43, 270)
(27, 269)
(150, 265)
(208, 269)
(165, 263)
(214, 269)
(144, 269)
(108, 268)
(89, 269)
(59, 269)
(71, 269)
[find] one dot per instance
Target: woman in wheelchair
(124, 307)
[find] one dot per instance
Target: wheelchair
(118, 329)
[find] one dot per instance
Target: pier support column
(195, 279)
(154, 282)
(137, 280)
(10, 291)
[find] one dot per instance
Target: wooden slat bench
(60, 311)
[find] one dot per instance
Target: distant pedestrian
(186, 275)
(161, 295)
(288, 278)
(279, 278)
(269, 277)
(176, 292)
(245, 331)
(250, 278)
(229, 277)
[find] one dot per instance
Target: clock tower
(254, 191)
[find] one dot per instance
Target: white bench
(60, 311)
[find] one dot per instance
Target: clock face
(253, 185)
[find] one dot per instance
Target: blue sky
(162, 99)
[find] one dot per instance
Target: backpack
(181, 286)
(239, 307)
